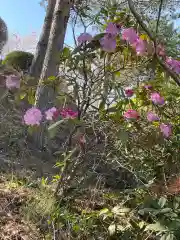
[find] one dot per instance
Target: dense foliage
(20, 60)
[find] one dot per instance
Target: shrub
(19, 60)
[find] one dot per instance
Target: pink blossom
(151, 117)
(112, 29)
(84, 37)
(12, 81)
(33, 116)
(129, 92)
(68, 113)
(130, 35)
(173, 64)
(108, 43)
(140, 46)
(131, 114)
(157, 99)
(166, 130)
(50, 113)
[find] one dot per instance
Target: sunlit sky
(24, 18)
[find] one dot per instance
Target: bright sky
(24, 17)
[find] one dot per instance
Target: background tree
(3, 34)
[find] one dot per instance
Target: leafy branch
(171, 73)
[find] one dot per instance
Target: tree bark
(46, 94)
(38, 60)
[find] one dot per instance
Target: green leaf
(22, 95)
(66, 52)
(54, 125)
(147, 210)
(76, 228)
(120, 211)
(156, 227)
(165, 210)
(44, 181)
(134, 224)
(51, 78)
(60, 164)
(168, 236)
(103, 211)
(68, 156)
(162, 202)
(141, 225)
(112, 229)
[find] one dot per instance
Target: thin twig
(173, 75)
(159, 16)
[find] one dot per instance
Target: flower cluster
(68, 113)
(157, 99)
(33, 116)
(142, 47)
(84, 37)
(12, 81)
(173, 64)
(108, 42)
(131, 114)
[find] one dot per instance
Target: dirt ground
(12, 226)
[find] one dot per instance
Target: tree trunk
(45, 95)
(38, 60)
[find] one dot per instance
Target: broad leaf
(168, 236)
(120, 211)
(112, 229)
(162, 202)
(156, 227)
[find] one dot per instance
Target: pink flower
(174, 64)
(112, 29)
(140, 47)
(166, 130)
(84, 37)
(68, 113)
(157, 99)
(129, 92)
(130, 35)
(108, 43)
(12, 81)
(50, 113)
(33, 116)
(151, 117)
(131, 114)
